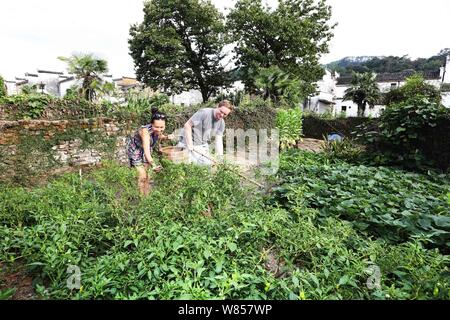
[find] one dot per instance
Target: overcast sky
(33, 33)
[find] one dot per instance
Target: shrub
(346, 150)
(289, 124)
(400, 138)
(234, 97)
(414, 89)
(250, 102)
(3, 91)
(30, 106)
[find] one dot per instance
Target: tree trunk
(205, 94)
(361, 109)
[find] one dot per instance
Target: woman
(140, 147)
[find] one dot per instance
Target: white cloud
(34, 33)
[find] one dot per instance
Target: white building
(54, 83)
(332, 87)
(195, 96)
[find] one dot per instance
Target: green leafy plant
(399, 138)
(3, 91)
(381, 201)
(363, 91)
(88, 69)
(289, 124)
(7, 293)
(203, 235)
(346, 150)
(30, 106)
(278, 86)
(415, 88)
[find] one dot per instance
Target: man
(198, 130)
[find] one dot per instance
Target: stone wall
(33, 149)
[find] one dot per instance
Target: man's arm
(194, 121)
(219, 141)
(219, 145)
(188, 135)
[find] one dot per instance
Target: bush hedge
(434, 146)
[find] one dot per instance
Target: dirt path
(15, 277)
(309, 144)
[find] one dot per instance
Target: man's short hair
(226, 104)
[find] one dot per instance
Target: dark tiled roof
(397, 76)
(344, 80)
(31, 75)
(51, 72)
(65, 80)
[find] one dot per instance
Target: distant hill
(351, 61)
(390, 64)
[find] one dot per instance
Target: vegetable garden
(320, 234)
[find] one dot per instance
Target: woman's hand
(157, 169)
(168, 137)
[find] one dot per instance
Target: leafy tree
(415, 88)
(403, 134)
(277, 85)
(179, 46)
(363, 91)
(292, 37)
(87, 68)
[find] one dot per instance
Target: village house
(332, 87)
(57, 83)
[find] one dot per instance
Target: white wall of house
(187, 98)
(236, 86)
(351, 109)
(323, 102)
(51, 82)
(327, 84)
(11, 87)
(446, 78)
(345, 106)
(446, 99)
(63, 86)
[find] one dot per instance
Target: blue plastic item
(335, 137)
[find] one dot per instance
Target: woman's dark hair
(156, 115)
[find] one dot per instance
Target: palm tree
(363, 91)
(86, 67)
(277, 84)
